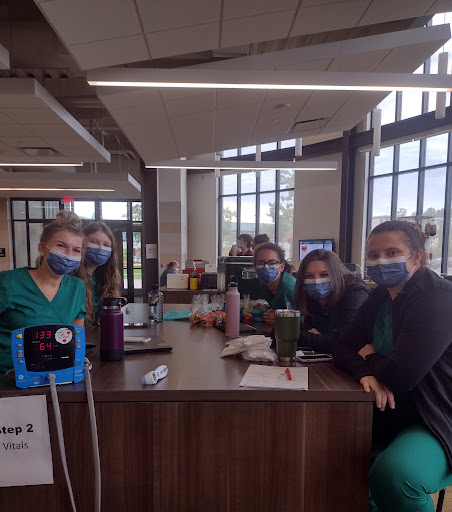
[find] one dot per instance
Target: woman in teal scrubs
(274, 272)
(46, 294)
(400, 346)
(99, 267)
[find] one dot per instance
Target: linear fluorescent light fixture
(40, 165)
(278, 80)
(237, 165)
(23, 189)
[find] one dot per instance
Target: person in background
(172, 268)
(328, 296)
(400, 347)
(243, 247)
(99, 267)
(259, 240)
(278, 283)
(46, 294)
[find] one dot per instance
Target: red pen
(289, 376)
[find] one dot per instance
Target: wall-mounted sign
(25, 453)
(67, 199)
(2, 252)
(151, 251)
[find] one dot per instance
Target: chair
(439, 505)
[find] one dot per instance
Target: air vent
(309, 124)
(36, 151)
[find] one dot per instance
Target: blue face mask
(267, 275)
(389, 272)
(61, 263)
(97, 254)
(318, 289)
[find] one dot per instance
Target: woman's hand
(269, 317)
(234, 250)
(383, 395)
(314, 331)
(366, 350)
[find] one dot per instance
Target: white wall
(317, 206)
(202, 224)
(172, 194)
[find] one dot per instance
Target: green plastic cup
(287, 332)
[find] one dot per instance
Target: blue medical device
(51, 348)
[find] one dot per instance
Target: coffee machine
(242, 267)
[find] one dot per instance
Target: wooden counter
(198, 442)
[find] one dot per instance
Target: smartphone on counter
(315, 358)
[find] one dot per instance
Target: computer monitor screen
(307, 246)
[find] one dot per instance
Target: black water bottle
(112, 329)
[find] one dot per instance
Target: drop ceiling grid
(97, 40)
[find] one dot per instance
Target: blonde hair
(65, 221)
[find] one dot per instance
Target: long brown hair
(339, 276)
(107, 274)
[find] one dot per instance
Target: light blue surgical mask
(61, 263)
(97, 254)
(267, 275)
(318, 289)
(389, 272)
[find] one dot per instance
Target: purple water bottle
(112, 329)
(232, 327)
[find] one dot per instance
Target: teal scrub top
(22, 304)
(382, 335)
(283, 294)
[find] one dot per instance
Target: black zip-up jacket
(331, 324)
(421, 361)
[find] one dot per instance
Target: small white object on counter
(154, 376)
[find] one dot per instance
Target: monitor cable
(94, 437)
(59, 426)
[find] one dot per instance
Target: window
(254, 204)
(29, 217)
(415, 191)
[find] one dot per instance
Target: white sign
(151, 251)
(25, 453)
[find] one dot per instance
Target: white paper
(25, 453)
(259, 376)
(151, 251)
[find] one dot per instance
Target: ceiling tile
(233, 9)
(380, 11)
(204, 101)
(84, 21)
(157, 16)
(440, 6)
(23, 142)
(110, 52)
(193, 133)
(361, 62)
(14, 130)
(323, 104)
(256, 28)
(35, 116)
(43, 130)
(323, 18)
(310, 3)
(184, 40)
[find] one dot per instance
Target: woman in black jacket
(328, 296)
(399, 346)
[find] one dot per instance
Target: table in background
(198, 442)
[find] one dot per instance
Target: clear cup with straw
(287, 332)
